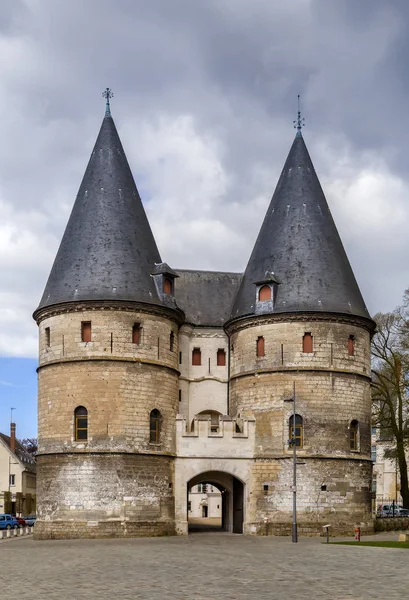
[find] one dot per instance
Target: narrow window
(167, 286)
(351, 345)
(86, 331)
(353, 435)
(373, 453)
(154, 426)
(264, 293)
(12, 479)
(81, 423)
(171, 341)
(180, 358)
(136, 333)
(196, 357)
(47, 337)
(180, 395)
(296, 433)
(307, 343)
(221, 357)
(260, 346)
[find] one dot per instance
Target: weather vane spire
(107, 93)
(300, 122)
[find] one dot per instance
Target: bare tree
(30, 445)
(390, 383)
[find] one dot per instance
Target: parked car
(30, 521)
(8, 522)
(390, 510)
(21, 522)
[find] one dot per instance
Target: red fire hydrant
(357, 532)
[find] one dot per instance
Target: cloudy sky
(205, 96)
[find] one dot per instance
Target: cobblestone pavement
(201, 566)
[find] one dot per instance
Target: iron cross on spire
(300, 122)
(107, 93)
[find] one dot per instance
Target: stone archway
(232, 495)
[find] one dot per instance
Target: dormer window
(264, 293)
(167, 286)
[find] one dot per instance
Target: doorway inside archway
(215, 502)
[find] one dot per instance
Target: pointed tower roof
(108, 251)
(299, 243)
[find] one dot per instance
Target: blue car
(8, 522)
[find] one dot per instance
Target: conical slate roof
(108, 251)
(299, 244)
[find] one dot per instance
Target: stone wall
(104, 495)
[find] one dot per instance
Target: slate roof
(206, 297)
(108, 251)
(25, 457)
(299, 243)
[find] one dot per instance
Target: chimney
(13, 437)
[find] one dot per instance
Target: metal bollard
(326, 528)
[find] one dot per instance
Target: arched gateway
(232, 497)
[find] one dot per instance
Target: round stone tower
(108, 370)
(299, 330)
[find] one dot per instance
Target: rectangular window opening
(180, 395)
(196, 357)
(265, 488)
(171, 341)
(86, 331)
(136, 334)
(351, 345)
(307, 343)
(260, 346)
(47, 337)
(12, 479)
(180, 358)
(221, 357)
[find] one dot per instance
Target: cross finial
(107, 93)
(300, 122)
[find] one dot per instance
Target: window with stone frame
(81, 424)
(167, 286)
(154, 426)
(307, 346)
(351, 345)
(264, 293)
(171, 341)
(221, 357)
(136, 334)
(353, 435)
(260, 346)
(196, 357)
(296, 435)
(86, 331)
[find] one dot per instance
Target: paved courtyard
(211, 566)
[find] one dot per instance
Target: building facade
(153, 380)
(17, 476)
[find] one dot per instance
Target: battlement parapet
(230, 438)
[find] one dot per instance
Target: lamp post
(293, 442)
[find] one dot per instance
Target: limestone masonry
(154, 380)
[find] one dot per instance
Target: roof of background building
(206, 297)
(21, 453)
(299, 243)
(108, 251)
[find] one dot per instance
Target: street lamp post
(293, 442)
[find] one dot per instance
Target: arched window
(264, 293)
(154, 426)
(353, 435)
(260, 346)
(307, 343)
(297, 432)
(167, 286)
(81, 424)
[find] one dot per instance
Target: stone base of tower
(330, 491)
(102, 495)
